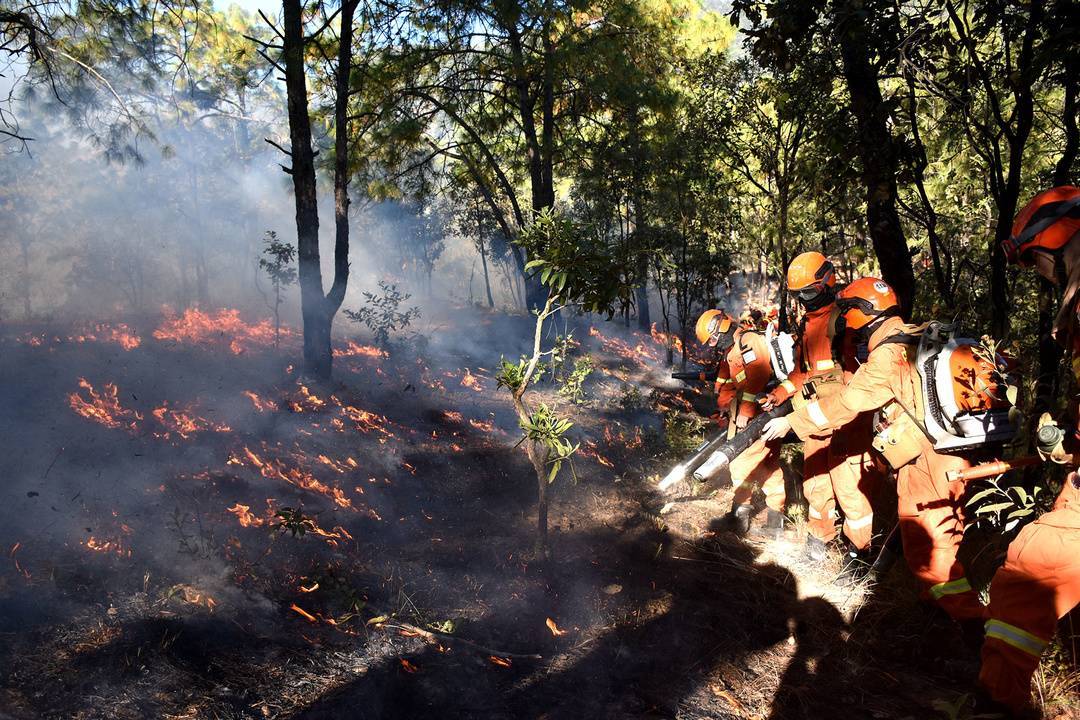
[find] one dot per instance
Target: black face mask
(812, 299)
(724, 343)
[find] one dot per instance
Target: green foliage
(277, 261)
(561, 350)
(546, 428)
(573, 389)
(682, 433)
(631, 399)
(293, 521)
(383, 315)
(511, 375)
(1004, 507)
(572, 265)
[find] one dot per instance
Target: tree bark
(317, 309)
(878, 156)
(1063, 174)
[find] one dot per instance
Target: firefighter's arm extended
(869, 389)
(784, 391)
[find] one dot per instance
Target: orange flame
(183, 423)
(408, 666)
(501, 662)
(666, 340)
(555, 628)
(470, 381)
(277, 469)
(260, 404)
(225, 326)
(104, 407)
(303, 613)
(244, 515)
(354, 350)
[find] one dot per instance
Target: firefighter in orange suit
(744, 371)
(1040, 580)
(837, 467)
(929, 506)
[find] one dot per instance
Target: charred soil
(191, 530)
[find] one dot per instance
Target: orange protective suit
(1038, 584)
(744, 373)
(929, 507)
(837, 466)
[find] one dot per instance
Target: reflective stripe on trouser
(1038, 584)
(758, 466)
(818, 488)
(932, 526)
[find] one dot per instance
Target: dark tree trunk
(317, 309)
(1063, 174)
(878, 156)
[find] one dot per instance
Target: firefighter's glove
(776, 429)
(773, 398)
(741, 421)
(1050, 440)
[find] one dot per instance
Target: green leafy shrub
(382, 314)
(573, 388)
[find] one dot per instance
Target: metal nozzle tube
(716, 462)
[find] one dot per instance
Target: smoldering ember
(618, 359)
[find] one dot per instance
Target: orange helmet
(1047, 222)
(711, 325)
(866, 300)
(810, 270)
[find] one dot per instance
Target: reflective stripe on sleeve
(862, 522)
(723, 381)
(749, 397)
(789, 386)
(813, 409)
(824, 365)
(741, 376)
(1017, 637)
(952, 587)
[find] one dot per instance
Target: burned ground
(154, 564)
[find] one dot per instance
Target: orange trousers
(1038, 584)
(838, 469)
(759, 466)
(930, 511)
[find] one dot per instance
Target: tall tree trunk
(317, 310)
(1063, 174)
(641, 218)
(487, 277)
(317, 357)
(877, 153)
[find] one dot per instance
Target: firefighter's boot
(774, 524)
(738, 520)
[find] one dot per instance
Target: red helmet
(1047, 222)
(866, 300)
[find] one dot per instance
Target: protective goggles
(807, 294)
(718, 326)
